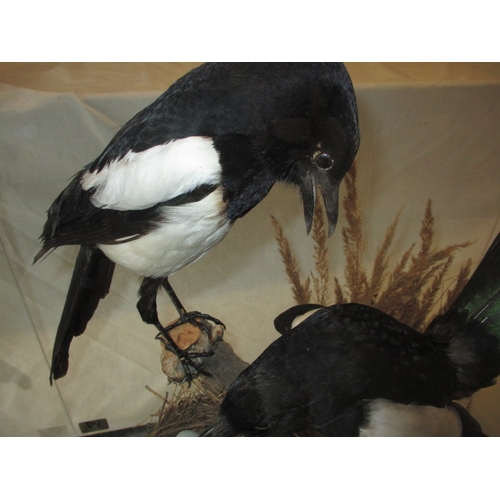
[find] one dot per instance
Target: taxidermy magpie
(174, 179)
(351, 370)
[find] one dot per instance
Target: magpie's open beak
(329, 189)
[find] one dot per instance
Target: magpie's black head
(291, 122)
(318, 163)
(319, 139)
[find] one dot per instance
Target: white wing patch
(390, 419)
(141, 180)
(299, 319)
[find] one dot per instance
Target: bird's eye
(323, 160)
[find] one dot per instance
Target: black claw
(184, 357)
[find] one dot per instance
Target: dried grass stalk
(352, 235)
(380, 264)
(321, 279)
(411, 289)
(428, 297)
(427, 230)
(339, 293)
(412, 296)
(409, 292)
(301, 291)
(460, 281)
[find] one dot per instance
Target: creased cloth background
(428, 131)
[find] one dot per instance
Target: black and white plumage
(174, 179)
(352, 370)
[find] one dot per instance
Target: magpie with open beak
(352, 370)
(174, 179)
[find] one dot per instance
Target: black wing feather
(74, 220)
(89, 284)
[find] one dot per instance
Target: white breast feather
(141, 180)
(188, 233)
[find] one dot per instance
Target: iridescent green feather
(481, 295)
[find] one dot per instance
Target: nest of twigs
(192, 410)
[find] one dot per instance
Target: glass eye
(323, 160)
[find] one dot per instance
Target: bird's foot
(201, 320)
(186, 342)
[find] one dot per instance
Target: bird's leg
(173, 297)
(187, 317)
(148, 311)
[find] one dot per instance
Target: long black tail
(89, 284)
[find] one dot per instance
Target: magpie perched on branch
(351, 370)
(174, 179)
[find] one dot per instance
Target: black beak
(329, 189)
